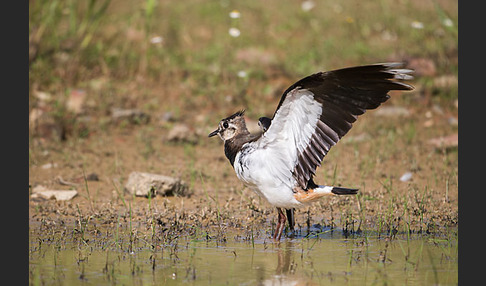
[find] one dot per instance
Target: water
(330, 259)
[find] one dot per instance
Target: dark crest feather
(237, 114)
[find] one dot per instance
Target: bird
(313, 114)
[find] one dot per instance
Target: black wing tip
(395, 73)
(344, 191)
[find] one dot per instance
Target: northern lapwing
(312, 116)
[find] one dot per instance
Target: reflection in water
(284, 255)
(286, 267)
(298, 261)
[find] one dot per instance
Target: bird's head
(230, 126)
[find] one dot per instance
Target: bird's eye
(225, 124)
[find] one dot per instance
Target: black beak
(215, 132)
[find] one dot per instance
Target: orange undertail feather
(309, 196)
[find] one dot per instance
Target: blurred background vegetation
(205, 57)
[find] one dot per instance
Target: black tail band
(344, 191)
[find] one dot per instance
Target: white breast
(260, 169)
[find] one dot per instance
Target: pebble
(144, 184)
(182, 133)
(406, 177)
(450, 141)
(134, 116)
(49, 166)
(58, 195)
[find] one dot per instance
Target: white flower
(242, 74)
(234, 32)
(235, 14)
(448, 22)
(417, 25)
(156, 40)
(307, 5)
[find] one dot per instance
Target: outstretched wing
(318, 110)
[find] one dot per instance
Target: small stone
(133, 116)
(92, 177)
(49, 166)
(450, 141)
(144, 184)
(406, 177)
(58, 195)
(182, 133)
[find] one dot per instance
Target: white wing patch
(290, 133)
